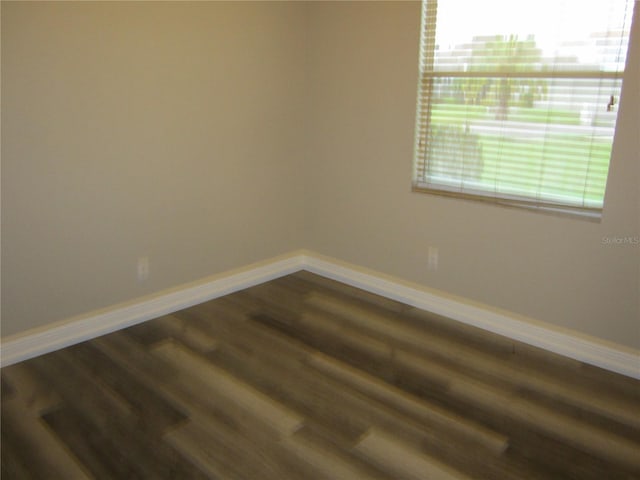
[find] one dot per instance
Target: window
(517, 101)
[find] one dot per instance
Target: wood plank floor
(305, 378)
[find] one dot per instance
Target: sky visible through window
(552, 22)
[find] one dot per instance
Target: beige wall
(170, 130)
(549, 268)
(210, 135)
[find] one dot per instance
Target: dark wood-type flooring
(305, 378)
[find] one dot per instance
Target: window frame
(426, 77)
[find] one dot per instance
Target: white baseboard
(564, 342)
(78, 329)
(583, 348)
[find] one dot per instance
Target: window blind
(517, 101)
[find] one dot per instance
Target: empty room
(320, 240)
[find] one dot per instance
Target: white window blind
(518, 100)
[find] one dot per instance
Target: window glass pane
(522, 104)
(568, 33)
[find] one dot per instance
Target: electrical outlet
(432, 258)
(143, 268)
